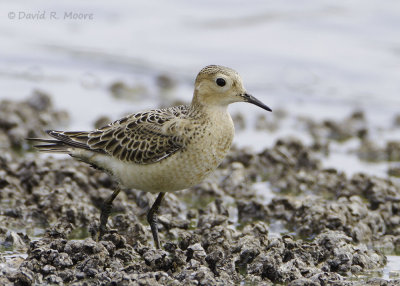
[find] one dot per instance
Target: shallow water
(392, 268)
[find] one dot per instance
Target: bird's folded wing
(140, 138)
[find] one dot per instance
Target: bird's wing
(141, 138)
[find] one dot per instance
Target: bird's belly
(180, 171)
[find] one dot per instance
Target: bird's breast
(213, 142)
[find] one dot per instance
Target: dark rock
(216, 233)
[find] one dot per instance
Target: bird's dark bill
(251, 99)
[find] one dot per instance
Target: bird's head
(221, 86)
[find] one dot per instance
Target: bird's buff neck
(207, 104)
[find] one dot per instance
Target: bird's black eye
(220, 81)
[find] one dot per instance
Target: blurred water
(392, 268)
(315, 58)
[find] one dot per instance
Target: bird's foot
(100, 232)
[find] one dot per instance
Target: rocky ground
(334, 229)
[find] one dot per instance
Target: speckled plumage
(138, 138)
(157, 150)
(161, 150)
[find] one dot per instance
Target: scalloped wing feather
(141, 138)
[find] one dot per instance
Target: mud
(336, 230)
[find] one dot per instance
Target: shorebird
(161, 150)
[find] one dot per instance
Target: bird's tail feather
(50, 145)
(64, 142)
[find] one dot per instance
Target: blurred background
(308, 60)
